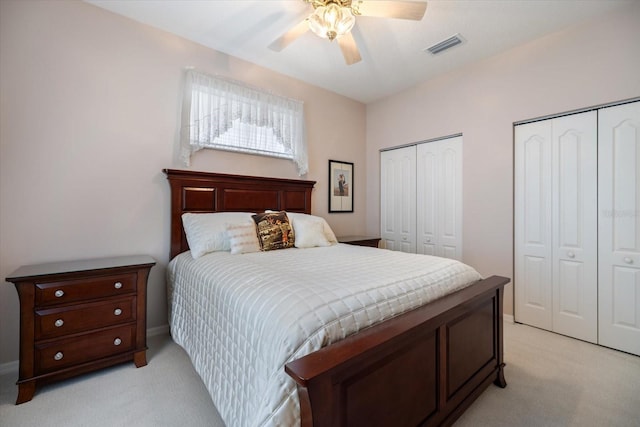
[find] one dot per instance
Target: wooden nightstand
(79, 316)
(360, 240)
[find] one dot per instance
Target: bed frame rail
(424, 367)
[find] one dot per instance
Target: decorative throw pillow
(274, 231)
(243, 238)
(309, 231)
(328, 232)
(206, 232)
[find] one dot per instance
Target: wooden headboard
(203, 192)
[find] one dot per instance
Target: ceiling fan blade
(287, 38)
(349, 49)
(413, 10)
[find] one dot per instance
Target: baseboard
(13, 366)
(158, 330)
(508, 318)
(9, 367)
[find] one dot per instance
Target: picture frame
(341, 179)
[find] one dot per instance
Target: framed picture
(340, 186)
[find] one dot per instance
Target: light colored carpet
(552, 381)
(166, 392)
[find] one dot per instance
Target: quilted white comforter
(241, 318)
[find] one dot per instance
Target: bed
(421, 364)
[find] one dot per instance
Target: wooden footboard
(422, 368)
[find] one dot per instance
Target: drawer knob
(117, 341)
(59, 323)
(117, 312)
(58, 356)
(117, 285)
(571, 254)
(59, 293)
(628, 260)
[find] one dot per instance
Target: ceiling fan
(334, 19)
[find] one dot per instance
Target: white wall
(590, 64)
(88, 119)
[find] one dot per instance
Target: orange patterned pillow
(274, 231)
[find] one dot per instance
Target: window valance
(224, 114)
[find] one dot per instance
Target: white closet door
(574, 225)
(439, 198)
(619, 227)
(427, 199)
(450, 198)
(532, 227)
(398, 199)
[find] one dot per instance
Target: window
(227, 115)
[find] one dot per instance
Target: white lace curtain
(216, 113)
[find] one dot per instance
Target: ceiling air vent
(452, 41)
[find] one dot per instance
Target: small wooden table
(79, 316)
(360, 240)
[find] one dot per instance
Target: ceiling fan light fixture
(331, 20)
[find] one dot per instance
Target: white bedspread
(241, 318)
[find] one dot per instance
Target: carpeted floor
(552, 381)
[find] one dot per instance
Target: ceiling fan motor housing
(331, 19)
(334, 19)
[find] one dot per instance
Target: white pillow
(206, 232)
(243, 238)
(305, 224)
(309, 233)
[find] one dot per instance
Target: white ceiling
(392, 50)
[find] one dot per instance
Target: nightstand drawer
(55, 322)
(82, 289)
(67, 352)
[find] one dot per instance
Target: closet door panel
(439, 213)
(574, 226)
(427, 173)
(387, 205)
(450, 198)
(406, 201)
(398, 199)
(532, 227)
(619, 227)
(570, 274)
(626, 281)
